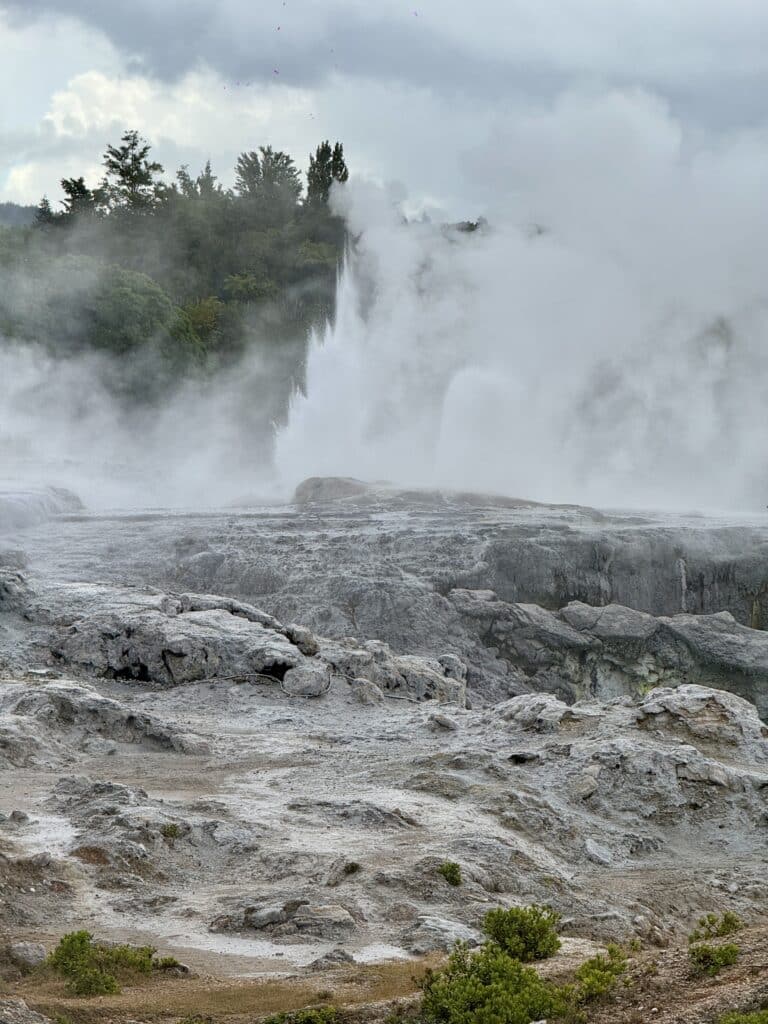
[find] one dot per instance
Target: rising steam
(604, 340)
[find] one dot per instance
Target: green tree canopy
(131, 182)
(78, 198)
(326, 165)
(269, 175)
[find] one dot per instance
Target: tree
(45, 214)
(79, 199)
(325, 166)
(269, 175)
(204, 186)
(131, 181)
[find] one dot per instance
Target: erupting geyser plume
(603, 339)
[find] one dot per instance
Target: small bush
(716, 926)
(451, 872)
(525, 933)
(706, 959)
(759, 1017)
(597, 976)
(170, 830)
(351, 867)
(488, 987)
(91, 968)
(319, 1015)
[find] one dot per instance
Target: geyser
(613, 354)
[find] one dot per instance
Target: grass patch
(758, 1017)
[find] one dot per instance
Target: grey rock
(365, 692)
(430, 933)
(16, 1011)
(27, 954)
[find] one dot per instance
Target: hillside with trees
(174, 278)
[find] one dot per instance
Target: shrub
(706, 959)
(451, 872)
(596, 977)
(91, 968)
(525, 933)
(170, 830)
(319, 1015)
(351, 867)
(488, 987)
(714, 926)
(759, 1017)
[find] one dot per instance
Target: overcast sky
(417, 90)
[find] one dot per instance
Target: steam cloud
(604, 340)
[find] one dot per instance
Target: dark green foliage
(451, 872)
(165, 281)
(758, 1017)
(716, 926)
(706, 959)
(131, 182)
(92, 968)
(351, 867)
(326, 165)
(597, 976)
(488, 987)
(79, 200)
(44, 214)
(170, 830)
(320, 1015)
(526, 933)
(269, 177)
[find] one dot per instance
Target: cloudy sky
(417, 91)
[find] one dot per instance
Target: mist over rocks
(22, 507)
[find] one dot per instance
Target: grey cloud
(693, 64)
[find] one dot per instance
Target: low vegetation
(451, 872)
(524, 933)
(759, 1017)
(716, 926)
(92, 968)
(494, 986)
(708, 959)
(320, 1015)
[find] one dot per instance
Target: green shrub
(716, 926)
(597, 976)
(706, 959)
(451, 872)
(759, 1017)
(487, 987)
(351, 867)
(525, 933)
(92, 968)
(170, 830)
(319, 1015)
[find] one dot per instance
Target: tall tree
(269, 175)
(78, 198)
(326, 165)
(45, 214)
(131, 182)
(204, 186)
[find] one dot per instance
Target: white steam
(605, 340)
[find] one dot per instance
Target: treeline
(179, 275)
